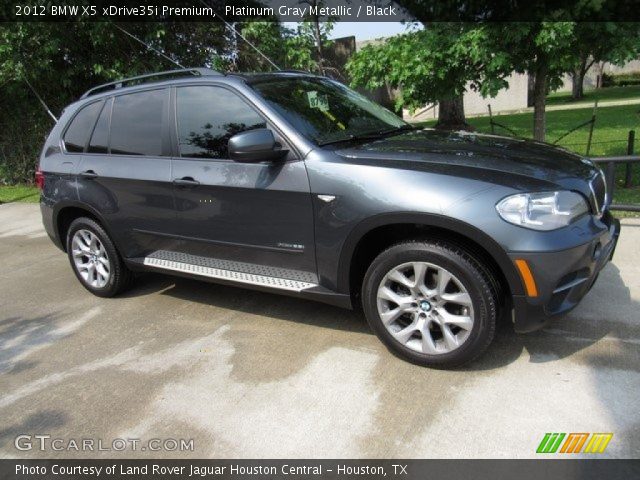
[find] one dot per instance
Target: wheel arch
(371, 236)
(67, 212)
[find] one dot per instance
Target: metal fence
(609, 166)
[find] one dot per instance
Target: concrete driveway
(248, 374)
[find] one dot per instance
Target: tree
(79, 55)
(547, 50)
(537, 47)
(301, 48)
(271, 39)
(436, 64)
(599, 42)
(540, 49)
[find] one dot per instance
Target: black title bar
(423, 11)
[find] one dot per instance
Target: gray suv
(293, 183)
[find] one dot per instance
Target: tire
(451, 318)
(102, 255)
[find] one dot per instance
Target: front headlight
(544, 210)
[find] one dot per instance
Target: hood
(535, 160)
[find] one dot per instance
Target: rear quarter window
(77, 134)
(100, 137)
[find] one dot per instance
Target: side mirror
(255, 146)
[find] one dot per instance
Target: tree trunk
(577, 78)
(451, 114)
(600, 74)
(577, 84)
(318, 36)
(390, 99)
(539, 101)
(530, 84)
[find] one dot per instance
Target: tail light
(39, 179)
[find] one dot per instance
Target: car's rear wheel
(95, 260)
(430, 302)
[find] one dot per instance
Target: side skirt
(255, 277)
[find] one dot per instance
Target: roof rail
(308, 72)
(141, 78)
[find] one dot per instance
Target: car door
(125, 172)
(254, 218)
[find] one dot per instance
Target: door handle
(186, 182)
(88, 174)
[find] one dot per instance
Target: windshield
(325, 111)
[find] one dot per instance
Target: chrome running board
(210, 268)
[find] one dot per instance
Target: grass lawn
(19, 193)
(609, 135)
(602, 95)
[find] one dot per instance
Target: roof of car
(255, 77)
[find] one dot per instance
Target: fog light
(597, 251)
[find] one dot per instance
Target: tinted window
(100, 137)
(136, 123)
(326, 111)
(208, 117)
(78, 132)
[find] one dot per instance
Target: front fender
(473, 234)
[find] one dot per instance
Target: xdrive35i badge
(295, 246)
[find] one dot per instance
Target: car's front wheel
(95, 260)
(430, 302)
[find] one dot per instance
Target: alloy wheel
(425, 307)
(90, 258)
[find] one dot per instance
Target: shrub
(620, 79)
(23, 129)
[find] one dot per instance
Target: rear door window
(77, 134)
(138, 124)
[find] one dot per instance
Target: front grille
(600, 198)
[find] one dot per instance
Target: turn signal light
(527, 278)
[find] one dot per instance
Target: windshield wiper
(368, 136)
(403, 128)
(348, 138)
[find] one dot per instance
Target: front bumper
(563, 278)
